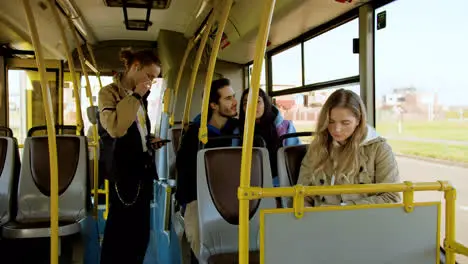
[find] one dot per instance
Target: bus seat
(232, 258)
(289, 165)
(175, 134)
(9, 173)
(59, 130)
(368, 234)
(33, 210)
(218, 178)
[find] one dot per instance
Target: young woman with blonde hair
(345, 151)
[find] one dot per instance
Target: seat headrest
(293, 157)
(3, 153)
(92, 113)
(223, 178)
(68, 152)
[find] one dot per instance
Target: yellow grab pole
(96, 140)
(249, 130)
(190, 45)
(106, 188)
(71, 65)
(450, 196)
(226, 8)
(193, 77)
(48, 110)
(95, 136)
(461, 249)
(90, 98)
(93, 59)
(82, 60)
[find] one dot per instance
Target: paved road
(423, 171)
(429, 140)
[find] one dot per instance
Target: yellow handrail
(94, 68)
(49, 114)
(193, 77)
(96, 141)
(450, 197)
(203, 132)
(460, 249)
(249, 125)
(93, 59)
(190, 45)
(90, 98)
(299, 192)
(71, 65)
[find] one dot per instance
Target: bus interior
(403, 57)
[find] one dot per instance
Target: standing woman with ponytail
(127, 152)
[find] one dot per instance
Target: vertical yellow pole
(82, 60)
(226, 8)
(95, 136)
(29, 107)
(71, 66)
(96, 140)
(249, 130)
(193, 77)
(106, 187)
(93, 60)
(60, 97)
(450, 197)
(190, 45)
(48, 109)
(90, 98)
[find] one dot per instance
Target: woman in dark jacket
(269, 125)
(127, 152)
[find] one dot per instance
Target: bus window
(262, 76)
(287, 69)
(421, 95)
(330, 56)
(25, 100)
(69, 107)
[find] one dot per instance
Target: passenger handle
(291, 135)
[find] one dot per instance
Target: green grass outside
(439, 130)
(439, 151)
(447, 130)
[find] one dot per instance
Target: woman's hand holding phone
(158, 143)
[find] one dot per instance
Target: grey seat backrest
(175, 134)
(34, 182)
(289, 165)
(92, 112)
(9, 172)
(218, 178)
(363, 235)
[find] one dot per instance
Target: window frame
(300, 40)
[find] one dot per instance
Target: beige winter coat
(377, 164)
(118, 109)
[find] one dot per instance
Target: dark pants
(127, 230)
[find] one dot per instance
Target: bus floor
(78, 248)
(35, 250)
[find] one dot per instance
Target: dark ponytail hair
(144, 57)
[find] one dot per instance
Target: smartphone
(160, 143)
